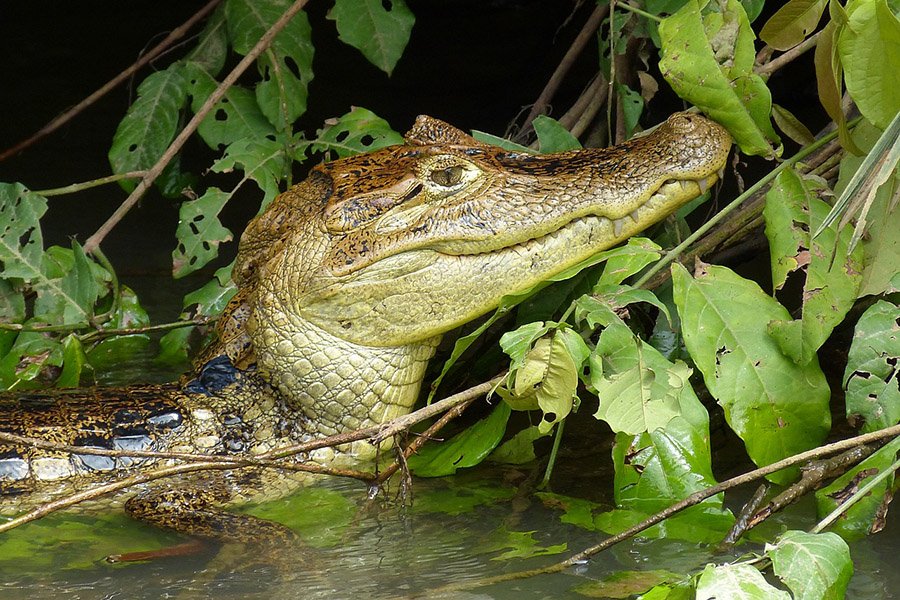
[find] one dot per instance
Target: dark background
(474, 63)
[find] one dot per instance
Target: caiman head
(352, 275)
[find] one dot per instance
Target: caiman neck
(352, 276)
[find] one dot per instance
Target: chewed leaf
(199, 232)
(380, 30)
(360, 130)
(812, 565)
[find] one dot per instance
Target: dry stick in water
(189, 129)
(691, 500)
(67, 116)
(376, 434)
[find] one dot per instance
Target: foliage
(584, 341)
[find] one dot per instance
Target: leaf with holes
(869, 514)
(793, 210)
(378, 28)
(872, 376)
(261, 159)
(813, 565)
(150, 124)
(21, 241)
(776, 406)
(199, 232)
(286, 66)
(235, 117)
(360, 130)
(69, 287)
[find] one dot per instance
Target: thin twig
(67, 116)
(581, 40)
(691, 500)
(189, 129)
(798, 50)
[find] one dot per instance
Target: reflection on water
(357, 548)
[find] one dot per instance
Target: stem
(67, 116)
(798, 50)
(552, 460)
(640, 12)
(86, 185)
(581, 40)
(189, 129)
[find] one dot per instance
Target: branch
(581, 40)
(189, 129)
(67, 116)
(691, 500)
(798, 50)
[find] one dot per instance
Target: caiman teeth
(617, 227)
(704, 185)
(634, 215)
(721, 173)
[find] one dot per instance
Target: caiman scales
(346, 283)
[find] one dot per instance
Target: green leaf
(517, 343)
(465, 449)
(813, 565)
(496, 140)
(286, 67)
(199, 232)
(868, 515)
(150, 124)
(700, 524)
(636, 396)
(870, 53)
(624, 261)
(26, 364)
(109, 353)
(792, 126)
(21, 241)
(360, 130)
(519, 449)
(873, 365)
(736, 582)
(776, 406)
(624, 584)
(212, 45)
(829, 80)
(557, 389)
(792, 23)
(521, 544)
(792, 211)
(377, 29)
(724, 88)
(632, 107)
(12, 305)
(553, 136)
(322, 516)
(262, 160)
(69, 286)
(73, 362)
(235, 117)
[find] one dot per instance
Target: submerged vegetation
(645, 339)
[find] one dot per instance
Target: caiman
(346, 283)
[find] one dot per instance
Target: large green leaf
(286, 67)
(262, 160)
(776, 406)
(69, 286)
(465, 449)
(380, 30)
(638, 388)
(199, 232)
(815, 566)
(736, 582)
(793, 211)
(872, 376)
(720, 79)
(869, 47)
(151, 122)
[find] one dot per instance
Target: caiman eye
(448, 176)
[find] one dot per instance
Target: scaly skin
(347, 281)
